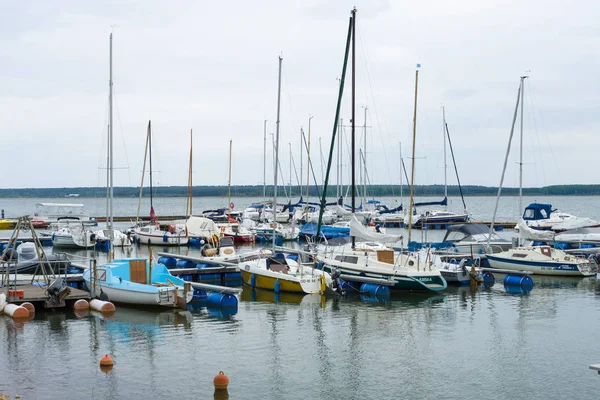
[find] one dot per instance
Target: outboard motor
(596, 258)
(57, 291)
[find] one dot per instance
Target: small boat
(473, 238)
(436, 217)
(73, 235)
(25, 260)
(120, 239)
(284, 274)
(6, 224)
(47, 213)
(454, 271)
(544, 217)
(265, 231)
(154, 235)
(137, 281)
(543, 260)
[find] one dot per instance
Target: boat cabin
(537, 211)
(470, 232)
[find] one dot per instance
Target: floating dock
(38, 296)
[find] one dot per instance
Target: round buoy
(16, 312)
(102, 306)
(106, 361)
(221, 381)
(81, 305)
(30, 307)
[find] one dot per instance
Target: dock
(38, 296)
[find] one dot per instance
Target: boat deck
(37, 295)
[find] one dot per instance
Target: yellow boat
(291, 277)
(6, 224)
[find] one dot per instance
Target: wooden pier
(39, 298)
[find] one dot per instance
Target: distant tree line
(283, 192)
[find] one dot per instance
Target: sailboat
(133, 280)
(540, 260)
(440, 217)
(174, 234)
(283, 274)
(371, 261)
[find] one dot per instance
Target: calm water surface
(462, 344)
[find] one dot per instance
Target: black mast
(353, 114)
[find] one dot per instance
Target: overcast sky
(212, 67)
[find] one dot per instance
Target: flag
(152, 214)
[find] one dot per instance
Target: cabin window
(519, 255)
(101, 274)
(455, 236)
(544, 213)
(348, 259)
(529, 214)
(145, 230)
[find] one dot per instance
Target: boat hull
(68, 241)
(156, 240)
(562, 268)
(261, 278)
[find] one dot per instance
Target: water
(461, 344)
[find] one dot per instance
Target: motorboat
(475, 238)
(26, 260)
(154, 234)
(137, 281)
(436, 217)
(454, 271)
(542, 260)
(544, 217)
(47, 213)
(73, 234)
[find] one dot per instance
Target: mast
(110, 140)
(353, 116)
(521, 148)
(265, 160)
(364, 159)
(229, 183)
(301, 156)
(445, 165)
(290, 195)
(108, 171)
(137, 218)
(401, 182)
(188, 208)
(412, 177)
(512, 130)
(276, 150)
(338, 188)
(335, 122)
(307, 169)
(150, 157)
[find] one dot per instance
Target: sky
(212, 67)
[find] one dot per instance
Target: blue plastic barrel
(293, 257)
(222, 300)
(374, 289)
(515, 289)
(278, 241)
(199, 295)
(167, 261)
(185, 264)
(200, 266)
(209, 277)
(518, 280)
(488, 279)
(233, 275)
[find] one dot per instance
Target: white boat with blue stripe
(543, 260)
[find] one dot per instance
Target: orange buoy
(16, 312)
(81, 305)
(102, 306)
(221, 381)
(30, 307)
(106, 361)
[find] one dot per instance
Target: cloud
(212, 67)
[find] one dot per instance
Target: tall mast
(412, 177)
(150, 157)
(229, 183)
(521, 148)
(290, 196)
(276, 149)
(353, 115)
(401, 182)
(338, 190)
(189, 210)
(265, 160)
(445, 165)
(301, 156)
(137, 218)
(365, 159)
(108, 171)
(110, 140)
(307, 168)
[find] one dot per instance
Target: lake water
(461, 344)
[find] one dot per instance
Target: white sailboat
(278, 274)
(540, 260)
(153, 234)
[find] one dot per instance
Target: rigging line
(122, 136)
(366, 62)
(532, 98)
(312, 170)
(289, 98)
(280, 170)
(455, 168)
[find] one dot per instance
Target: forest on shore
(257, 191)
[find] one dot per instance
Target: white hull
(70, 241)
(162, 240)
